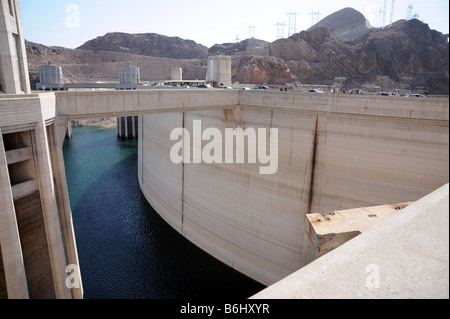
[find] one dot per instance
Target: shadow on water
(126, 250)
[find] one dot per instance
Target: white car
(315, 91)
(204, 86)
(416, 95)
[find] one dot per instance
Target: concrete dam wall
(334, 152)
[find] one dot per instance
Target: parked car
(262, 87)
(226, 87)
(416, 95)
(385, 94)
(245, 89)
(315, 91)
(204, 86)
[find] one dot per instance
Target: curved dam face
(334, 152)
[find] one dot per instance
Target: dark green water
(126, 250)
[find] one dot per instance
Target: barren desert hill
(405, 49)
(347, 24)
(150, 44)
(250, 46)
(81, 65)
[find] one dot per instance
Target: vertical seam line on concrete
(313, 166)
(182, 181)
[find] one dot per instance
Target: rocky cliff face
(246, 47)
(406, 49)
(405, 54)
(263, 69)
(347, 24)
(149, 44)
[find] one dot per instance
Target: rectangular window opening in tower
(11, 8)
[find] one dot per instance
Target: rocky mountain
(263, 69)
(149, 44)
(347, 24)
(405, 54)
(404, 51)
(246, 47)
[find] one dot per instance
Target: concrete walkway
(405, 256)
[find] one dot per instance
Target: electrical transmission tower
(315, 17)
(292, 23)
(280, 29)
(392, 12)
(379, 17)
(409, 12)
(251, 31)
(384, 13)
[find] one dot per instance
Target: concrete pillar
(219, 70)
(140, 149)
(129, 78)
(177, 74)
(69, 132)
(56, 138)
(11, 249)
(119, 127)
(126, 126)
(133, 127)
(50, 212)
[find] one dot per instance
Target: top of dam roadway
(92, 104)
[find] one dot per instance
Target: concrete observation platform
(405, 256)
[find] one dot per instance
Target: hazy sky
(70, 23)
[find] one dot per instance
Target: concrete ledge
(24, 189)
(326, 232)
(405, 256)
(19, 155)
